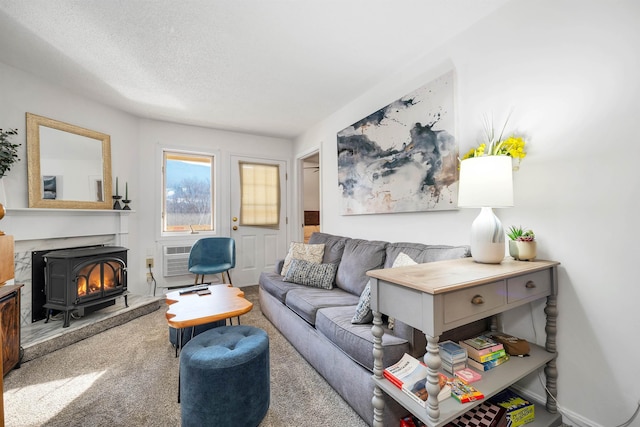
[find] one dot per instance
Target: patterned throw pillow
(311, 274)
(363, 310)
(307, 252)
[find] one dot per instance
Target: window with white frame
(188, 192)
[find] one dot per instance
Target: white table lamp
(486, 182)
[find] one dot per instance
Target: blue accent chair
(212, 255)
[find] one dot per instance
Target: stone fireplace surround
(50, 229)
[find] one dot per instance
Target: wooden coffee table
(194, 309)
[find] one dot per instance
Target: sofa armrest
(279, 266)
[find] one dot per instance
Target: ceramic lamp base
(487, 238)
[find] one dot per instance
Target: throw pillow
(311, 274)
(363, 310)
(307, 252)
(402, 260)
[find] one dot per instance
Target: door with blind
(258, 216)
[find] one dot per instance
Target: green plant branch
(8, 151)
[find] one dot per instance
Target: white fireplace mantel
(39, 224)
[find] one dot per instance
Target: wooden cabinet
(10, 326)
(9, 307)
(6, 258)
(439, 296)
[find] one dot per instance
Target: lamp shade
(486, 182)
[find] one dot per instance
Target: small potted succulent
(522, 245)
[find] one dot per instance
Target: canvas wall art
(403, 157)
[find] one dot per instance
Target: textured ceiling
(270, 67)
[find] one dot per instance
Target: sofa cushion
(359, 256)
(333, 246)
(356, 340)
(274, 285)
(297, 250)
(424, 253)
(306, 301)
(311, 274)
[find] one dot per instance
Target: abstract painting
(403, 157)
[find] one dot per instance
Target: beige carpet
(128, 376)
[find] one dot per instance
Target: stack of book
(453, 357)
(410, 375)
(484, 353)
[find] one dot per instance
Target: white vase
(522, 251)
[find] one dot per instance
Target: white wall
(570, 69)
(22, 93)
(135, 153)
(154, 136)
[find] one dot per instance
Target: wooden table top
(449, 275)
(192, 309)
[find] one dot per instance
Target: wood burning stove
(81, 278)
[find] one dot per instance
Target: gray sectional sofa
(318, 321)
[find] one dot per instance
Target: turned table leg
(377, 400)
(551, 371)
(433, 362)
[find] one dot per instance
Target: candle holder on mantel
(126, 205)
(116, 203)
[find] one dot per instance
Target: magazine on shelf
(409, 374)
(418, 392)
(403, 369)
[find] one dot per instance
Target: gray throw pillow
(311, 274)
(363, 310)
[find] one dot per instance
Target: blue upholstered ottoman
(225, 377)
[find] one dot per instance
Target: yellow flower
(512, 145)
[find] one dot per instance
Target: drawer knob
(477, 300)
(530, 284)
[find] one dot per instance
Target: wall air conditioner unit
(175, 260)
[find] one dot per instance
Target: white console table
(439, 296)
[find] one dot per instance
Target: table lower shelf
(493, 381)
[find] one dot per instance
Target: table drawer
(472, 301)
(528, 285)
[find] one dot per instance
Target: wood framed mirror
(69, 167)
